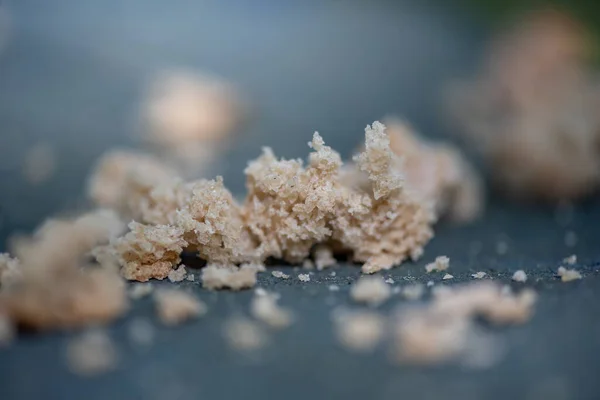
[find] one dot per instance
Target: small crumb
(570, 239)
(141, 331)
(140, 290)
(304, 277)
(177, 275)
(228, 276)
(260, 292)
(501, 247)
(567, 275)
(448, 276)
(430, 284)
(571, 260)
(519, 276)
(244, 334)
(91, 353)
(441, 263)
(265, 308)
(413, 292)
(390, 281)
(371, 290)
(479, 275)
(359, 330)
(334, 288)
(333, 273)
(324, 257)
(190, 277)
(175, 306)
(279, 274)
(308, 264)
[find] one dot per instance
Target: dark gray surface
(72, 76)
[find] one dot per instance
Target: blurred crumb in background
(40, 163)
(532, 112)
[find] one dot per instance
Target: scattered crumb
(334, 288)
(571, 260)
(91, 353)
(141, 331)
(430, 283)
(413, 292)
(359, 331)
(519, 276)
(40, 163)
(244, 334)
(567, 275)
(265, 308)
(304, 277)
(177, 275)
(190, 277)
(571, 239)
(371, 290)
(175, 306)
(441, 263)
(448, 276)
(279, 274)
(140, 290)
(479, 275)
(333, 273)
(324, 257)
(390, 281)
(216, 277)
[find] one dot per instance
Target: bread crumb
(371, 290)
(333, 273)
(140, 290)
(479, 275)
(571, 260)
(174, 306)
(190, 277)
(279, 274)
(10, 271)
(265, 308)
(359, 331)
(215, 277)
(244, 334)
(304, 277)
(441, 263)
(430, 283)
(334, 288)
(390, 281)
(448, 276)
(91, 353)
(177, 275)
(141, 332)
(413, 292)
(40, 163)
(324, 257)
(567, 275)
(519, 276)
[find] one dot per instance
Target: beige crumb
(175, 306)
(215, 277)
(279, 274)
(265, 308)
(140, 290)
(7, 331)
(567, 275)
(10, 271)
(448, 276)
(430, 283)
(359, 331)
(177, 275)
(519, 276)
(244, 334)
(390, 281)
(334, 288)
(308, 264)
(571, 260)
(141, 331)
(479, 275)
(304, 277)
(371, 290)
(40, 163)
(333, 273)
(190, 277)
(91, 353)
(324, 257)
(413, 292)
(441, 263)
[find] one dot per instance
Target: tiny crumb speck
(519, 276)
(448, 276)
(430, 284)
(567, 275)
(479, 275)
(334, 288)
(571, 260)
(279, 274)
(304, 277)
(390, 281)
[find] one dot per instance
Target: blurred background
(73, 75)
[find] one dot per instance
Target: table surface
(72, 76)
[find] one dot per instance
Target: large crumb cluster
(532, 112)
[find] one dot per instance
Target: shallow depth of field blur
(74, 76)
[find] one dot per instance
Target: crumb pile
(532, 113)
(363, 208)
